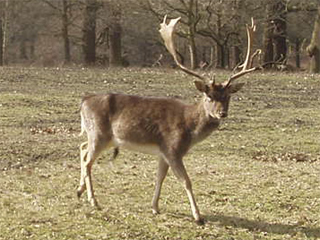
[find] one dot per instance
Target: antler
(247, 65)
(166, 32)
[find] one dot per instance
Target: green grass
(257, 177)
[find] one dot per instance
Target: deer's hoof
(79, 193)
(200, 222)
(93, 202)
(155, 212)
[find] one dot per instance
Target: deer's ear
(233, 88)
(201, 86)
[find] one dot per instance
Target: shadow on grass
(260, 226)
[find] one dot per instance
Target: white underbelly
(152, 149)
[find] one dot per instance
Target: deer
(161, 126)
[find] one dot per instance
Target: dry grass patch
(255, 178)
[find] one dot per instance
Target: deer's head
(217, 97)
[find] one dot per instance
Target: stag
(165, 127)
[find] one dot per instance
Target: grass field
(257, 177)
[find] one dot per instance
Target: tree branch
(52, 5)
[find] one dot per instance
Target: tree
(140, 41)
(89, 31)
(193, 19)
(3, 31)
(63, 13)
(275, 34)
(267, 35)
(296, 35)
(213, 29)
(279, 34)
(65, 30)
(221, 24)
(26, 20)
(1, 42)
(48, 32)
(115, 56)
(280, 28)
(314, 48)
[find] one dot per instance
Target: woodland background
(125, 32)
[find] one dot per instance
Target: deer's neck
(199, 122)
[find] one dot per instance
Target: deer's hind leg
(88, 156)
(83, 156)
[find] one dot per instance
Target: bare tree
(115, 56)
(63, 12)
(49, 33)
(274, 37)
(267, 35)
(1, 42)
(221, 24)
(279, 30)
(3, 31)
(89, 31)
(314, 48)
(65, 31)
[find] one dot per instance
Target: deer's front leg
(161, 174)
(88, 181)
(181, 173)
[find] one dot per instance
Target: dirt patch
(287, 156)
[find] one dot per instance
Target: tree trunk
(1, 43)
(220, 56)
(65, 31)
(236, 52)
(193, 48)
(192, 22)
(227, 56)
(89, 32)
(3, 32)
(192, 44)
(279, 31)
(297, 50)
(211, 63)
(275, 35)
(314, 48)
(115, 58)
(267, 36)
(23, 51)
